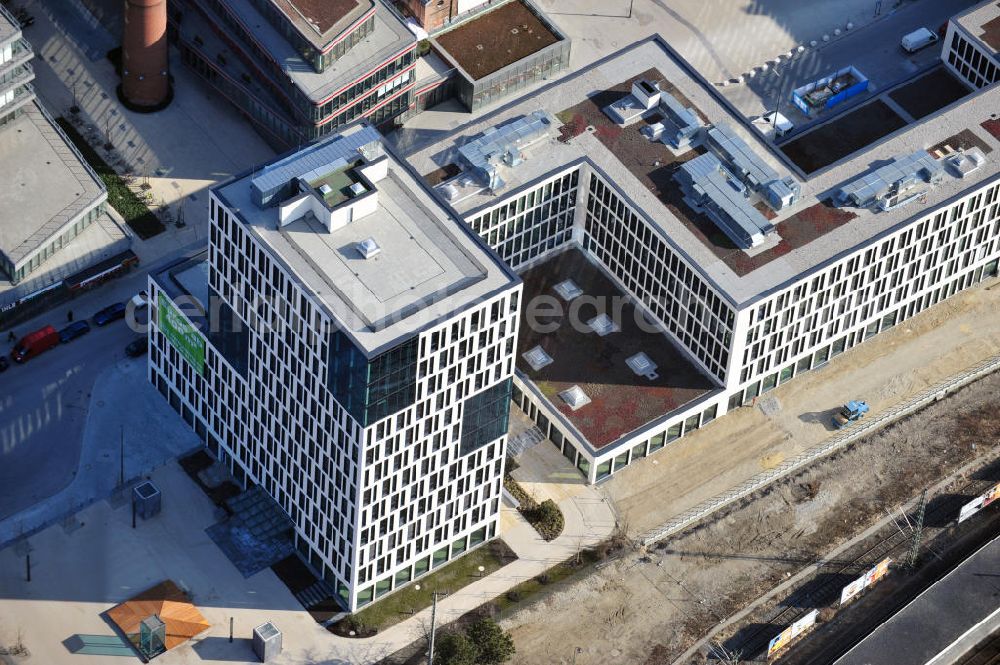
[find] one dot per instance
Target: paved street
(874, 49)
(62, 414)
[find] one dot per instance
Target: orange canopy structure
(168, 602)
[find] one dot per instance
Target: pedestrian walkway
(544, 473)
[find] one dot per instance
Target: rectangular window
(656, 442)
(603, 469)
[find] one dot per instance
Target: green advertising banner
(181, 335)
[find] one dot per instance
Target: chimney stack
(145, 75)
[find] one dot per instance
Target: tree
(454, 649)
(493, 645)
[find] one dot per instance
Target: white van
(917, 40)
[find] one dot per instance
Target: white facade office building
(972, 43)
(733, 322)
(355, 359)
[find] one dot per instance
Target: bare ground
(648, 608)
(885, 371)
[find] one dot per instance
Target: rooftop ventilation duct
(537, 358)
(357, 189)
(325, 189)
(575, 398)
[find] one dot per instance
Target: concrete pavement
(196, 142)
(122, 407)
(83, 568)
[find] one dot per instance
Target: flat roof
(496, 38)
(101, 240)
(430, 265)
(620, 400)
(390, 36)
(46, 184)
(642, 171)
(937, 618)
(983, 22)
(321, 21)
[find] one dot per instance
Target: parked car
(140, 300)
(34, 343)
(73, 330)
(109, 314)
(137, 347)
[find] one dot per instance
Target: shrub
(493, 645)
(454, 649)
(514, 595)
(136, 214)
(548, 519)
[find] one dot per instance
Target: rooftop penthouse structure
(597, 203)
(353, 358)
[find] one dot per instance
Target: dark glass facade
(486, 417)
(370, 390)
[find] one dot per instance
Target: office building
(665, 318)
(354, 358)
(971, 44)
(300, 69)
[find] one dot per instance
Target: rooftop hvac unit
(653, 132)
(357, 189)
(368, 248)
(575, 398)
(325, 189)
(568, 290)
(966, 162)
(537, 358)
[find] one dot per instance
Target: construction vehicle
(850, 412)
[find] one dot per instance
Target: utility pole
(121, 458)
(434, 607)
(918, 528)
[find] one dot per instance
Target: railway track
(943, 510)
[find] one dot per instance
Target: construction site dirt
(650, 607)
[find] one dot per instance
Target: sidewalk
(123, 404)
(120, 561)
(588, 521)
